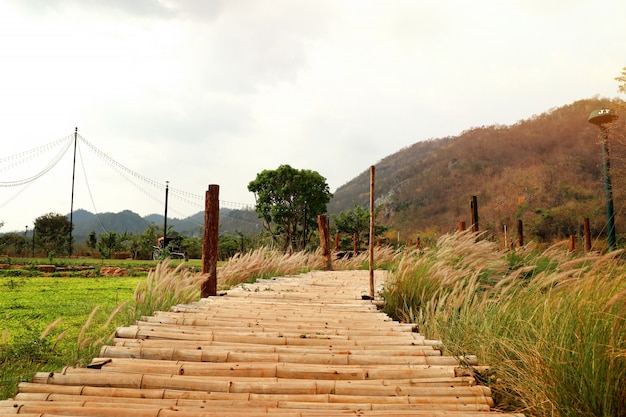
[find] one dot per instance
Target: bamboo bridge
(306, 345)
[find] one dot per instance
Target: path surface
(294, 346)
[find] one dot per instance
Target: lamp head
(601, 116)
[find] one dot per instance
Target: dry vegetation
(545, 170)
(551, 323)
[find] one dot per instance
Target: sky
(199, 92)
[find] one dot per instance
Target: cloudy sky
(199, 92)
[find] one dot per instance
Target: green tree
(148, 241)
(92, 240)
(355, 224)
(53, 233)
(108, 243)
(289, 200)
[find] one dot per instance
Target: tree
(356, 224)
(92, 240)
(289, 200)
(622, 81)
(53, 233)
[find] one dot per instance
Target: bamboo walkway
(300, 346)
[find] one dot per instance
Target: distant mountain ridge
(231, 221)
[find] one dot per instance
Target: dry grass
(550, 323)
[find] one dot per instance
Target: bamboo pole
(372, 230)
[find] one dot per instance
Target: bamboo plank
(386, 350)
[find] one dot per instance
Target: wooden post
(336, 242)
(474, 213)
(322, 224)
(372, 230)
(572, 243)
(418, 243)
(210, 242)
(355, 243)
(587, 235)
(520, 233)
(462, 226)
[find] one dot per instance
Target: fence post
(462, 226)
(372, 230)
(587, 235)
(572, 244)
(520, 233)
(210, 241)
(322, 224)
(474, 213)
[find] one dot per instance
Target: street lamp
(600, 118)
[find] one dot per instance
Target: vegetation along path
(306, 345)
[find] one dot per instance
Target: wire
(41, 173)
(82, 163)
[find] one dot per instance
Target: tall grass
(552, 324)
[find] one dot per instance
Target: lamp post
(600, 118)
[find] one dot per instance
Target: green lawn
(29, 304)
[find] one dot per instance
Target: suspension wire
(14, 196)
(24, 156)
(195, 200)
(121, 167)
(191, 199)
(41, 173)
(82, 163)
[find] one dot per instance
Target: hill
(545, 170)
(231, 221)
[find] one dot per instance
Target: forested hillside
(545, 170)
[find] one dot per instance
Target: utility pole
(72, 200)
(167, 189)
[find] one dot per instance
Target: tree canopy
(289, 201)
(355, 224)
(53, 233)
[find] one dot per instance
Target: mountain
(231, 221)
(545, 170)
(125, 221)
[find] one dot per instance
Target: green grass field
(49, 320)
(29, 305)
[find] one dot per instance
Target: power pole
(72, 199)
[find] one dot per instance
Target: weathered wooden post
(372, 230)
(322, 224)
(520, 233)
(336, 242)
(355, 243)
(210, 241)
(587, 235)
(462, 226)
(572, 243)
(474, 213)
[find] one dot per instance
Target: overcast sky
(199, 92)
